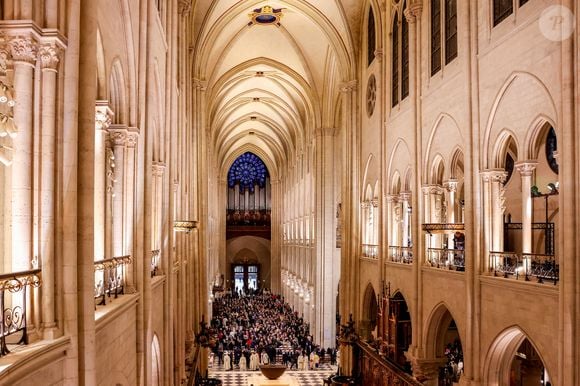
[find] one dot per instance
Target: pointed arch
(501, 353)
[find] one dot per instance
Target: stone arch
(117, 99)
(396, 183)
(369, 312)
(500, 355)
(156, 363)
(520, 89)
(437, 324)
(437, 170)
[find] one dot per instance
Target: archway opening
(514, 360)
(369, 318)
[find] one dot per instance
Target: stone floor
(304, 378)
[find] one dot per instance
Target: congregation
(258, 329)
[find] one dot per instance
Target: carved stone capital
(379, 54)
(414, 11)
(200, 84)
(348, 87)
(526, 168)
(451, 185)
(184, 7)
(117, 137)
(4, 58)
(103, 115)
(375, 203)
(158, 168)
(393, 198)
(405, 196)
(432, 189)
(24, 49)
(49, 56)
(493, 175)
(132, 139)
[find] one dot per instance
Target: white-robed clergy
(301, 361)
(265, 359)
(242, 363)
(254, 361)
(227, 362)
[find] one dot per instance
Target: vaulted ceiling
(270, 85)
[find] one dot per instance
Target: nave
(261, 328)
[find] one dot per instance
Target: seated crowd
(259, 329)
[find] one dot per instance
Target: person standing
(242, 363)
(227, 362)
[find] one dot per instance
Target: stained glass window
(551, 148)
(247, 170)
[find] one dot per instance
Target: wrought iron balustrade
(446, 258)
(14, 297)
(370, 251)
(399, 254)
(526, 265)
(110, 277)
(155, 262)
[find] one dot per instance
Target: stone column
(391, 198)
(498, 208)
(325, 242)
(487, 218)
(129, 204)
(450, 189)
(526, 169)
(118, 139)
(405, 201)
(85, 243)
(24, 54)
(49, 55)
(103, 118)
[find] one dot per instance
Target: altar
(260, 380)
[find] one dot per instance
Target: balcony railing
(14, 296)
(370, 251)
(446, 258)
(376, 369)
(155, 262)
(110, 277)
(526, 265)
(400, 254)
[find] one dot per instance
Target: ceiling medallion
(266, 16)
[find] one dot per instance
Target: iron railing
(446, 258)
(111, 277)
(13, 306)
(526, 265)
(370, 251)
(399, 254)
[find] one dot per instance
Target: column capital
(392, 198)
(184, 7)
(158, 168)
(375, 203)
(413, 11)
(432, 189)
(4, 57)
(325, 131)
(200, 84)
(24, 49)
(379, 54)
(103, 115)
(132, 139)
(117, 135)
(451, 185)
(526, 167)
(405, 196)
(349, 86)
(493, 175)
(49, 56)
